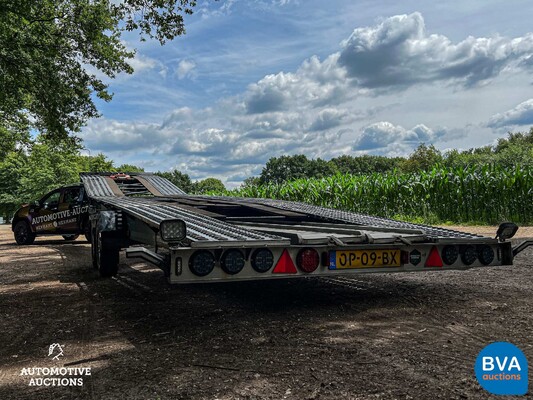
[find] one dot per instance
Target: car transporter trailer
(215, 239)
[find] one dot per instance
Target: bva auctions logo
(501, 368)
(57, 349)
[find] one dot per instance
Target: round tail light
(232, 262)
(485, 253)
(450, 254)
(202, 263)
(262, 260)
(308, 260)
(469, 255)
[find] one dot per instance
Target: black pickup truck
(63, 211)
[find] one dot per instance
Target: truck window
(72, 195)
(52, 200)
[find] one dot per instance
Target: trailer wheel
(107, 257)
(87, 230)
(70, 237)
(23, 234)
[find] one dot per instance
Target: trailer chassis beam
(522, 246)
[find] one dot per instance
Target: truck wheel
(70, 237)
(23, 233)
(107, 257)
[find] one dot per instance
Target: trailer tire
(23, 234)
(87, 230)
(107, 257)
(70, 237)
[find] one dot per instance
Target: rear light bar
(306, 260)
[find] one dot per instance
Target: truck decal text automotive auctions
(60, 214)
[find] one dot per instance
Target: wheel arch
(17, 219)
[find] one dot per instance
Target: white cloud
(186, 69)
(314, 84)
(399, 52)
(113, 136)
(141, 63)
(328, 118)
(522, 114)
(386, 136)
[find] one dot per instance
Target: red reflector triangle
(285, 264)
(434, 259)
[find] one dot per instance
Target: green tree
(11, 171)
(129, 168)
(422, 159)
(50, 51)
(285, 168)
(321, 168)
(48, 166)
(514, 150)
(209, 185)
(366, 164)
(98, 163)
(181, 180)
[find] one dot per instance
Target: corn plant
(489, 194)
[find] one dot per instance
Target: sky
(257, 79)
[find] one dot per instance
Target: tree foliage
(284, 168)
(422, 159)
(287, 168)
(53, 52)
(181, 180)
(514, 150)
(129, 168)
(209, 185)
(365, 164)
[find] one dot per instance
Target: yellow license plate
(347, 259)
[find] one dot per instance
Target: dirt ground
(401, 336)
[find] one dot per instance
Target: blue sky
(256, 79)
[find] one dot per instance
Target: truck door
(43, 216)
(73, 210)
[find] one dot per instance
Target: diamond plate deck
(329, 214)
(199, 228)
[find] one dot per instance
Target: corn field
(487, 195)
